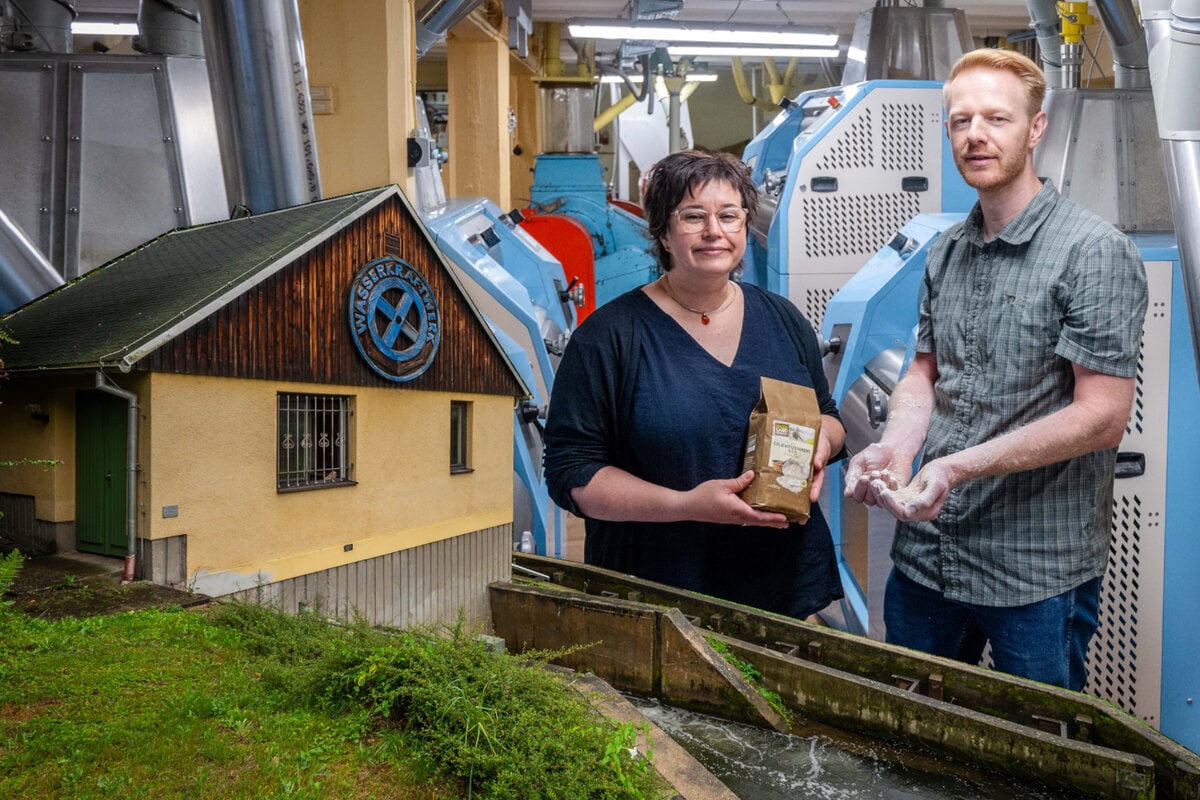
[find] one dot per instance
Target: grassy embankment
(237, 701)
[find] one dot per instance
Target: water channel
(758, 764)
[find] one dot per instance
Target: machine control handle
(575, 293)
(1130, 465)
(529, 411)
(772, 183)
(831, 345)
(904, 245)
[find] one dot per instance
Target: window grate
(314, 440)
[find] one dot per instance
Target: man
(1019, 393)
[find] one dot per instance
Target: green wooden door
(101, 424)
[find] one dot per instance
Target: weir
(637, 631)
(758, 764)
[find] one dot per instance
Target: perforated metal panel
(1125, 657)
(816, 299)
(903, 148)
(854, 149)
(854, 225)
(859, 168)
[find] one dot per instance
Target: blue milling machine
(530, 302)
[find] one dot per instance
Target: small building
(318, 414)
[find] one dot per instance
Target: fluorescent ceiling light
(702, 32)
(694, 77)
(104, 28)
(752, 52)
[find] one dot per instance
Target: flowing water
(758, 764)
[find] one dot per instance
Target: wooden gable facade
(294, 326)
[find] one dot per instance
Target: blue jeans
(1045, 641)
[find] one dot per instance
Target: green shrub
(504, 727)
(501, 726)
(10, 567)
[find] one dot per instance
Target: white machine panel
(1125, 658)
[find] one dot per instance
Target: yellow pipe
(552, 65)
(790, 74)
(612, 112)
(739, 80)
(776, 85)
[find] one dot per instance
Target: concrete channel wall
(656, 651)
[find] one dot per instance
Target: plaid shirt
(1006, 320)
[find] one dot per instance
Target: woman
(652, 400)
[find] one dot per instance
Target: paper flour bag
(780, 445)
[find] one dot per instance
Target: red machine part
(569, 241)
(625, 205)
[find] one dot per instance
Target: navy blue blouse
(635, 390)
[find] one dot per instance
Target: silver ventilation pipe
(1156, 20)
(437, 17)
(169, 27)
(1043, 18)
(24, 272)
(36, 26)
(259, 81)
(1173, 37)
(1128, 43)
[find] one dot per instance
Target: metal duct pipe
(36, 26)
(1128, 43)
(1156, 20)
(259, 81)
(24, 272)
(438, 17)
(105, 385)
(169, 28)
(1043, 18)
(1174, 72)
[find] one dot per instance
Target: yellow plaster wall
(478, 92)
(213, 455)
(24, 439)
(526, 102)
(364, 51)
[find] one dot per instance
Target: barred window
(314, 441)
(460, 436)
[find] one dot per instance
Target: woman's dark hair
(674, 177)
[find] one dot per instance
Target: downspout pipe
(105, 385)
(1128, 42)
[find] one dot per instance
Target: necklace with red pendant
(705, 316)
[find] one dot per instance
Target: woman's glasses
(695, 220)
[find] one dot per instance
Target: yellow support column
(478, 92)
(361, 58)
(527, 102)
